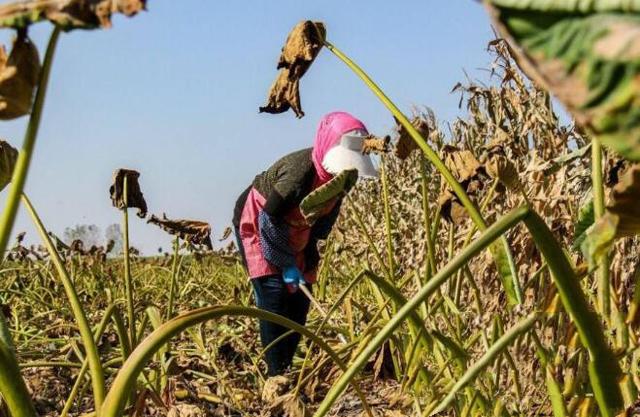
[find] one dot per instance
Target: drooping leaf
(405, 143)
(19, 74)
(68, 14)
(468, 171)
(587, 53)
(134, 197)
(8, 157)
(314, 204)
(621, 219)
(374, 144)
(501, 168)
(192, 231)
(300, 50)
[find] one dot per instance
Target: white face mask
(347, 154)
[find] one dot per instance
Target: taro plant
(605, 375)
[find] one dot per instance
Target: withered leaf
(300, 50)
(501, 168)
(405, 143)
(468, 171)
(192, 231)
(19, 74)
(374, 144)
(226, 234)
(462, 163)
(8, 158)
(68, 14)
(134, 197)
(284, 94)
(621, 219)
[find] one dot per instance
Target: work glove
(293, 277)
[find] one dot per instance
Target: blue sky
(174, 93)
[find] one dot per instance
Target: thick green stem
(128, 285)
(598, 211)
(485, 239)
(12, 385)
(431, 267)
(97, 374)
(387, 217)
(24, 158)
(604, 370)
(501, 252)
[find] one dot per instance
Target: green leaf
(586, 217)
(586, 53)
(621, 219)
(314, 204)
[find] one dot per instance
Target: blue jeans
(272, 295)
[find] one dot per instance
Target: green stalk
(85, 364)
(602, 273)
(431, 267)
(387, 217)
(97, 374)
(553, 388)
(604, 369)
(5, 333)
(174, 277)
(12, 386)
(484, 240)
(128, 285)
(501, 253)
(492, 353)
(128, 374)
(24, 157)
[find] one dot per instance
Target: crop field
(492, 270)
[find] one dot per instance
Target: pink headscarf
(331, 128)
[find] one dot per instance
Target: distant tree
(114, 233)
(89, 234)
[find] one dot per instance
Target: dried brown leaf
(500, 168)
(300, 50)
(405, 144)
(8, 158)
(19, 73)
(376, 145)
(192, 231)
(134, 197)
(69, 14)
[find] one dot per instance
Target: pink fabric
(331, 128)
(299, 232)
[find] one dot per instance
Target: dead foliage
(300, 50)
(405, 143)
(376, 145)
(194, 232)
(19, 76)
(133, 198)
(8, 158)
(68, 14)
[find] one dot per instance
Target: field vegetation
(492, 270)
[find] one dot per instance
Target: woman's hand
(293, 277)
